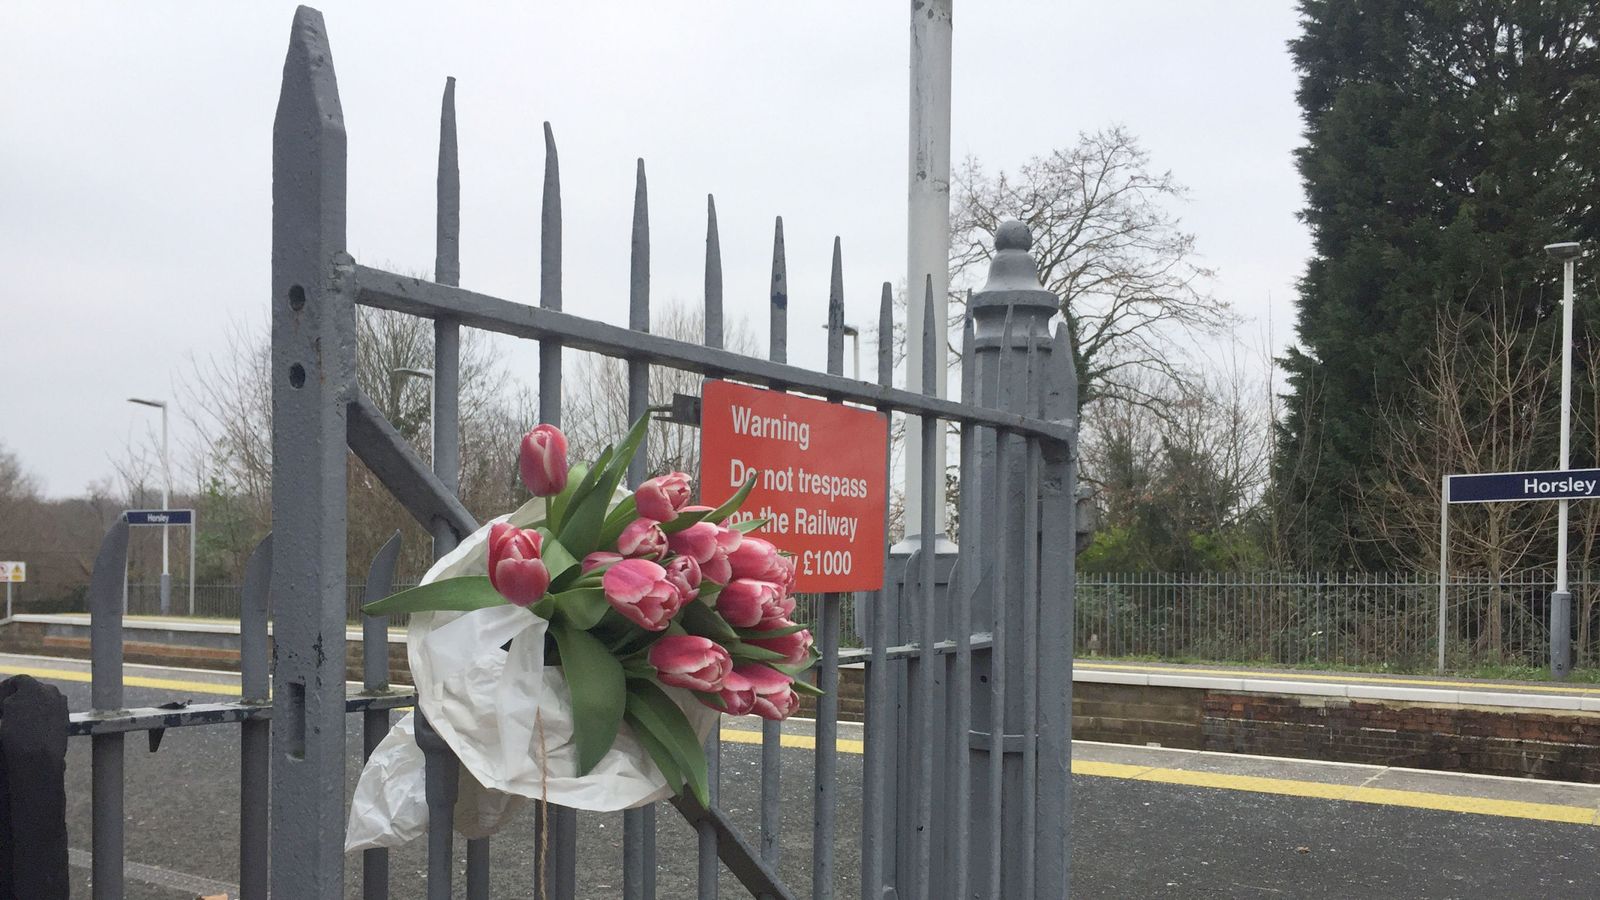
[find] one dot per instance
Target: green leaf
(701, 619)
(715, 701)
(598, 689)
(708, 593)
(750, 525)
(581, 531)
(462, 594)
(619, 518)
(802, 686)
(795, 672)
(760, 635)
(582, 607)
(684, 520)
(557, 558)
(662, 718)
(659, 753)
(733, 503)
(558, 504)
(629, 447)
(752, 653)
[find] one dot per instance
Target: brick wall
(1561, 745)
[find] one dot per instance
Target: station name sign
(1556, 484)
(820, 471)
(160, 516)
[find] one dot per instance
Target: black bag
(33, 790)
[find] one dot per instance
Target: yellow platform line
(138, 681)
(1516, 809)
(1351, 678)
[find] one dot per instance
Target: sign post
(164, 518)
(12, 573)
(819, 479)
(1504, 487)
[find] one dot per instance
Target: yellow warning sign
(13, 571)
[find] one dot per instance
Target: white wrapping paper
(490, 705)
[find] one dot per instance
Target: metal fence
(1372, 620)
(1342, 619)
(965, 783)
(223, 601)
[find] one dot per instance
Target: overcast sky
(135, 163)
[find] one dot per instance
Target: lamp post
(1568, 252)
(166, 496)
(854, 334)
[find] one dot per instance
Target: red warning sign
(820, 478)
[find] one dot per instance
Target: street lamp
(166, 494)
(1568, 252)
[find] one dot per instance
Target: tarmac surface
(1148, 822)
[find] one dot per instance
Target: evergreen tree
(1447, 141)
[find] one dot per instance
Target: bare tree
(596, 401)
(1107, 243)
(1480, 406)
(229, 398)
(1182, 486)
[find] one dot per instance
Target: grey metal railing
(968, 706)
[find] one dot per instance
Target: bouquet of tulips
(642, 591)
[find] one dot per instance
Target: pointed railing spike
(713, 312)
(930, 334)
(550, 280)
(550, 226)
(639, 263)
(1061, 384)
(836, 313)
(886, 336)
(969, 362)
(447, 248)
(778, 338)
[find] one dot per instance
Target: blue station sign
(160, 516)
(1557, 484)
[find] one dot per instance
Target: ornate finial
(1013, 235)
(1013, 276)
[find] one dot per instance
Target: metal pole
(928, 228)
(1561, 599)
(1444, 567)
(193, 524)
(166, 503)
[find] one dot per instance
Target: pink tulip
(717, 569)
(543, 461)
(661, 498)
(738, 695)
(690, 661)
(515, 569)
(754, 558)
(775, 699)
(698, 541)
(747, 603)
(599, 560)
(796, 648)
(642, 538)
(785, 572)
(729, 539)
(640, 591)
(684, 573)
